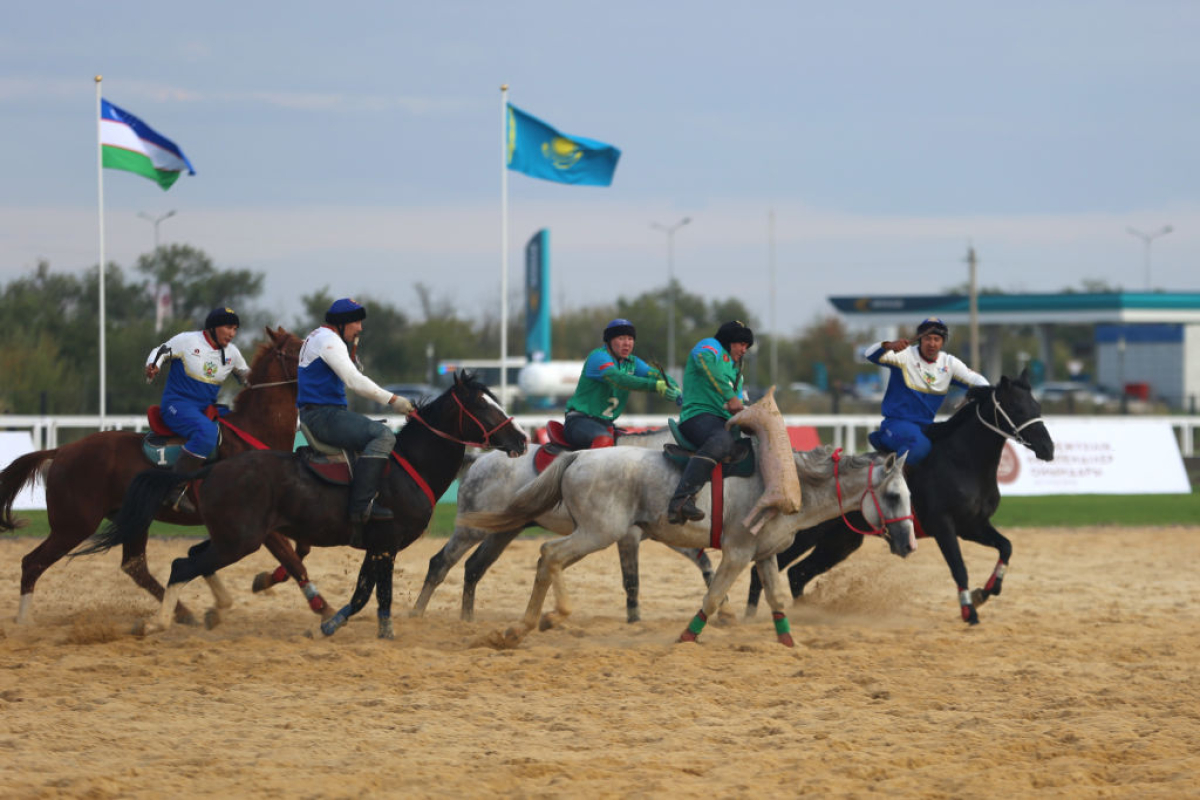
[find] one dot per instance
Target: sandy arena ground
(1081, 681)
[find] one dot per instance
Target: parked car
(415, 392)
(1071, 391)
(805, 390)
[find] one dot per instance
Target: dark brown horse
(245, 498)
(86, 480)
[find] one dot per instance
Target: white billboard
(13, 445)
(1098, 455)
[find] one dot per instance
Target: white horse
(611, 492)
(488, 485)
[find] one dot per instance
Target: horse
(85, 480)
(954, 492)
(489, 483)
(246, 497)
(608, 492)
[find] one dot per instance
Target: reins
(283, 366)
(997, 413)
(462, 411)
(870, 490)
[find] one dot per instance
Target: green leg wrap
(782, 625)
(697, 624)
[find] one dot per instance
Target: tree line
(49, 363)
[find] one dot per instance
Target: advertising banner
(1098, 455)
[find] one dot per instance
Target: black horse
(244, 498)
(954, 492)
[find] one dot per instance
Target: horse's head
(887, 505)
(481, 418)
(277, 359)
(1018, 415)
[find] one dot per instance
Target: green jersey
(710, 379)
(605, 382)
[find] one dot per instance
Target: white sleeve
(964, 374)
(239, 362)
(866, 351)
(338, 358)
(170, 345)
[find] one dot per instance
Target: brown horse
(245, 498)
(86, 480)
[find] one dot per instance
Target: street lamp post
(1147, 238)
(670, 231)
(156, 221)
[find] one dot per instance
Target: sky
(357, 146)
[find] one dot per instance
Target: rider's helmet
(221, 316)
(618, 327)
(734, 332)
(933, 325)
(344, 311)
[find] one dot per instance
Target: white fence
(841, 430)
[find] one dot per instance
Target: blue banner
(537, 297)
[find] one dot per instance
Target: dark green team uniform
(605, 383)
(710, 379)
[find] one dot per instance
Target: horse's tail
(14, 478)
(143, 500)
(533, 500)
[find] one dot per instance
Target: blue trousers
(190, 422)
(901, 436)
(580, 430)
(343, 428)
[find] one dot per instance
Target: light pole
(156, 221)
(670, 231)
(1148, 238)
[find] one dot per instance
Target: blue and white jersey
(197, 369)
(326, 371)
(916, 387)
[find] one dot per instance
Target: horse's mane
(941, 430)
(817, 464)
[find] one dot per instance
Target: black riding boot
(179, 501)
(368, 478)
(682, 507)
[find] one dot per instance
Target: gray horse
(488, 485)
(613, 492)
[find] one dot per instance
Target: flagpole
(100, 206)
(504, 244)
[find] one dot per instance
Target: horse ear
(1024, 376)
(889, 463)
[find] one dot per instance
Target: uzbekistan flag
(128, 143)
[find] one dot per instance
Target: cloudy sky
(357, 145)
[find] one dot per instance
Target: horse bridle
(997, 413)
(870, 490)
(282, 366)
(462, 411)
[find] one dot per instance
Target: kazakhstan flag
(539, 151)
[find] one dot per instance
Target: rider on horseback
(713, 379)
(921, 374)
(205, 359)
(328, 366)
(608, 375)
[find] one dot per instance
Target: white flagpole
(504, 244)
(100, 205)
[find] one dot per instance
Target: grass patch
(1014, 512)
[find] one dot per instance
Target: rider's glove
(401, 405)
(666, 390)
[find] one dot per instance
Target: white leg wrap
(25, 610)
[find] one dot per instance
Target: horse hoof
(687, 636)
(326, 613)
(979, 597)
(212, 618)
(969, 615)
(786, 640)
(725, 618)
(185, 617)
(385, 629)
(633, 615)
(549, 620)
(262, 582)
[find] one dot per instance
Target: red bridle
(870, 490)
(462, 411)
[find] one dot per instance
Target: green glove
(667, 391)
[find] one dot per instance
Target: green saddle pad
(742, 468)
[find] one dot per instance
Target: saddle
(162, 446)
(327, 462)
(556, 445)
(741, 464)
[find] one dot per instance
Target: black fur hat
(733, 332)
